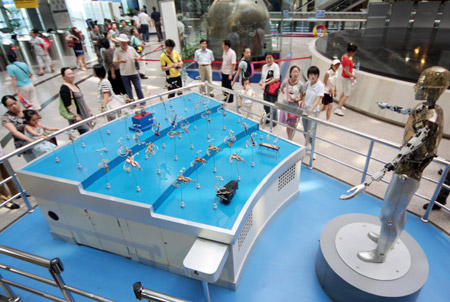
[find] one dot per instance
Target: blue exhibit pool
(159, 190)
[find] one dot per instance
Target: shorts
(346, 86)
(43, 60)
(327, 99)
(79, 52)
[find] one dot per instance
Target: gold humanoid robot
(423, 133)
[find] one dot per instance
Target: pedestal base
(344, 277)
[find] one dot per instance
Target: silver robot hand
(354, 191)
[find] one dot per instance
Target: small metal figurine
(104, 164)
(138, 132)
(151, 150)
(171, 134)
(215, 150)
(269, 146)
(237, 158)
(230, 139)
(198, 160)
(195, 109)
(222, 111)
(216, 189)
(206, 115)
(179, 182)
(130, 162)
(184, 124)
(252, 143)
(156, 129)
(72, 140)
(423, 132)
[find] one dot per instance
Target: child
(106, 96)
(330, 81)
(247, 91)
(36, 130)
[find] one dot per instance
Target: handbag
(290, 115)
(273, 89)
(63, 109)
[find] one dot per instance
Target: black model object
(226, 193)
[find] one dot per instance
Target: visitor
(4, 193)
(106, 97)
(245, 67)
(330, 81)
(171, 63)
(43, 58)
(21, 80)
(139, 46)
(96, 36)
(78, 38)
(73, 101)
(270, 76)
(347, 77)
(125, 57)
(227, 69)
(14, 121)
(113, 70)
(204, 57)
(245, 103)
(144, 21)
(294, 94)
(156, 17)
(35, 130)
(314, 92)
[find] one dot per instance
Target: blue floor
(279, 268)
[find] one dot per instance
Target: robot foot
(371, 256)
(373, 236)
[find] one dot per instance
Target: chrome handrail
(55, 268)
(153, 296)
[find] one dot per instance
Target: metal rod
(86, 294)
(32, 290)
(366, 166)
(28, 275)
(60, 284)
(435, 194)
(37, 260)
(18, 186)
(11, 295)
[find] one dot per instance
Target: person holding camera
(171, 62)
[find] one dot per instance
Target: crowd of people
(119, 50)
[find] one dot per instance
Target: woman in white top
(314, 92)
(294, 92)
(330, 81)
(270, 75)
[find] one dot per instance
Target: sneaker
(12, 206)
(339, 112)
(314, 156)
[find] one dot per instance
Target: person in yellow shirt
(171, 63)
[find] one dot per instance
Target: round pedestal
(345, 277)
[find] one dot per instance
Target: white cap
(335, 61)
(122, 38)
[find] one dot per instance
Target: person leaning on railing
(14, 121)
(4, 193)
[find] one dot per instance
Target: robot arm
(397, 109)
(413, 144)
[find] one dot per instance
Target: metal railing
(55, 268)
(151, 295)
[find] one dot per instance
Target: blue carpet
(279, 268)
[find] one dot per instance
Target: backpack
(47, 44)
(250, 70)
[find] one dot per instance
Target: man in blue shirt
(204, 57)
(21, 80)
(156, 17)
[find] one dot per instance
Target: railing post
(19, 187)
(11, 295)
(56, 268)
(435, 194)
(366, 166)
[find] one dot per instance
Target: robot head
(432, 83)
